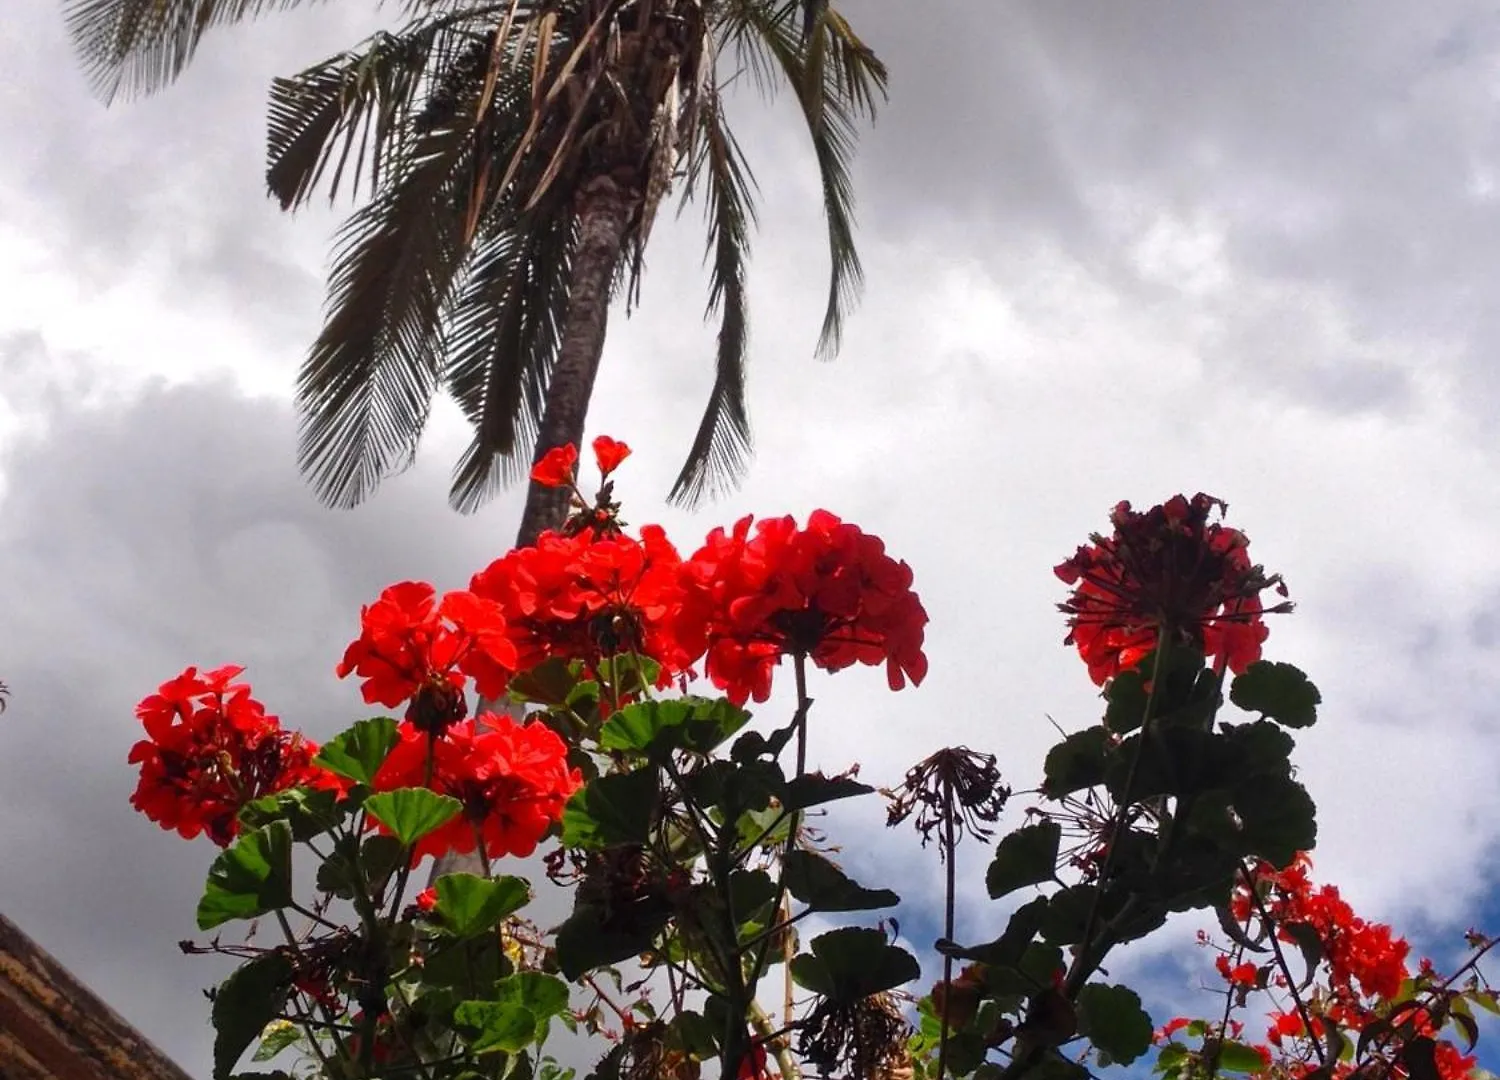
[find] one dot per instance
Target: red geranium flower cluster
(1170, 569)
(586, 597)
(412, 648)
(512, 779)
(828, 592)
(210, 748)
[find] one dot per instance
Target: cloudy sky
(1113, 250)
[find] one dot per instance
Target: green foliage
(1025, 857)
(250, 877)
(357, 754)
(1077, 762)
(852, 963)
(412, 813)
(815, 789)
(587, 939)
(822, 886)
(308, 812)
(244, 1004)
(518, 1014)
(657, 728)
(468, 904)
(1111, 1017)
(1279, 691)
(614, 809)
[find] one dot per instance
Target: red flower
(555, 469)
(412, 648)
(1168, 568)
(827, 591)
(583, 597)
(512, 779)
(1171, 1027)
(210, 748)
(1245, 974)
(426, 900)
(609, 453)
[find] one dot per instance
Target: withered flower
(955, 783)
(868, 1035)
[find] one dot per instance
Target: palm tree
(514, 154)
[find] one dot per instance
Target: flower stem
(950, 846)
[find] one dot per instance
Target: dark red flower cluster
(827, 591)
(412, 648)
(210, 748)
(512, 779)
(1168, 569)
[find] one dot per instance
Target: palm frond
(363, 102)
(139, 46)
(836, 80)
(721, 449)
(503, 335)
(366, 388)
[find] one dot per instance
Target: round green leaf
(1027, 856)
(250, 877)
(411, 813)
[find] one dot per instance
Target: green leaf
(250, 877)
(1278, 819)
(1027, 856)
(308, 812)
(275, 1037)
(488, 1026)
(822, 886)
(584, 942)
(468, 904)
(544, 996)
(244, 1004)
(1310, 943)
(1279, 691)
(517, 1016)
(549, 683)
(614, 809)
(411, 813)
(814, 789)
(1127, 698)
(1238, 1058)
(749, 891)
(1077, 762)
(1112, 1019)
(358, 753)
(658, 727)
(852, 963)
(630, 673)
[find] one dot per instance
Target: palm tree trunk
(604, 210)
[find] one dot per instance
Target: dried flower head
(868, 1036)
(956, 784)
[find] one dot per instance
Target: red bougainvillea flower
(828, 592)
(412, 648)
(609, 453)
(1167, 568)
(210, 748)
(1365, 959)
(512, 779)
(555, 469)
(586, 597)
